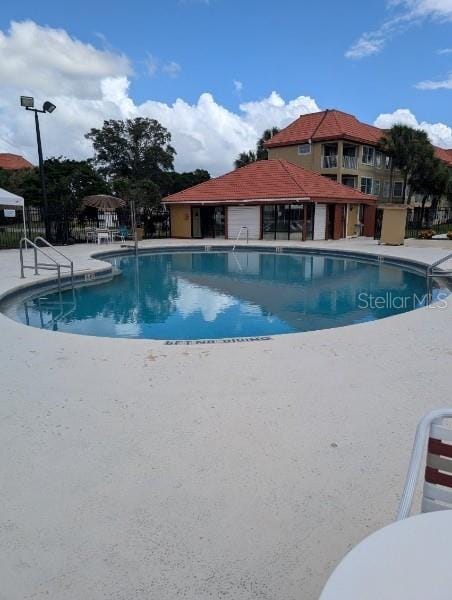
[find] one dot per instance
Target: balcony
(329, 162)
(350, 162)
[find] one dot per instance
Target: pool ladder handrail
(60, 304)
(54, 265)
(432, 266)
(238, 235)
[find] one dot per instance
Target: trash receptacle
(393, 224)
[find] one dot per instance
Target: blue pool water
(206, 295)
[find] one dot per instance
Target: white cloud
(439, 133)
(444, 51)
(49, 60)
(238, 86)
(407, 13)
(172, 69)
(444, 84)
(436, 9)
(192, 299)
(94, 85)
(152, 64)
(366, 45)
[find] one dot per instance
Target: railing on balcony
(329, 162)
(350, 162)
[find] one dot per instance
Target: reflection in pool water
(197, 295)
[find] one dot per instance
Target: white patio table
(410, 559)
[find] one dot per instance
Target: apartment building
(335, 144)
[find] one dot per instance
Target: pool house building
(271, 200)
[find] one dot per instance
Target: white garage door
(244, 216)
(320, 222)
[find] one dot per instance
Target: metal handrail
(54, 265)
(329, 161)
(350, 162)
(49, 245)
(436, 263)
(238, 235)
(49, 306)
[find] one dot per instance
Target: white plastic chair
(103, 235)
(437, 491)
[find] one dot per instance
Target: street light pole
(41, 174)
(28, 103)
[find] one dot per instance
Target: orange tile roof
(268, 181)
(11, 162)
(326, 125)
(444, 154)
(334, 124)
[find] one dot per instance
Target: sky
(216, 73)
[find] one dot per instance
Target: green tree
(144, 192)
(431, 180)
(176, 182)
(408, 149)
(261, 153)
(133, 149)
(25, 183)
(4, 178)
(245, 158)
(68, 181)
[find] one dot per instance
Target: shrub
(426, 234)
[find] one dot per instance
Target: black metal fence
(72, 227)
(419, 220)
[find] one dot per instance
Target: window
(282, 222)
(366, 185)
(361, 213)
(269, 220)
(376, 187)
(296, 222)
(349, 180)
(304, 149)
(368, 155)
(397, 189)
(387, 162)
(287, 221)
(219, 222)
(378, 159)
(386, 189)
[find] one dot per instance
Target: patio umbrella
(103, 202)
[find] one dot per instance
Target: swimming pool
(190, 295)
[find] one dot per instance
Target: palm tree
(431, 179)
(244, 158)
(261, 153)
(408, 149)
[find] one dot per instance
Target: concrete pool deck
(134, 470)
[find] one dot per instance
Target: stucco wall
(180, 221)
(352, 218)
(290, 153)
(313, 162)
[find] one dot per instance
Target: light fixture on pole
(28, 103)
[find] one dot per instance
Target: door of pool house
(207, 221)
(288, 221)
